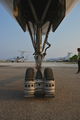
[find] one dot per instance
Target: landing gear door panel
(18, 14)
(59, 14)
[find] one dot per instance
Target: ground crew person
(78, 59)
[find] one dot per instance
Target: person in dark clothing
(78, 59)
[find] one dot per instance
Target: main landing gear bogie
(36, 85)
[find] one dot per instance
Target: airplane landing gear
(39, 84)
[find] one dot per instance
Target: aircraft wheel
(48, 74)
(29, 75)
(49, 84)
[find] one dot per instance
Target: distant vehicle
(59, 59)
(18, 58)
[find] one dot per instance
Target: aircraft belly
(8, 5)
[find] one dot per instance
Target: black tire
(48, 74)
(29, 75)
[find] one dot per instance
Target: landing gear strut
(38, 15)
(39, 84)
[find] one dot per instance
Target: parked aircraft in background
(18, 58)
(60, 58)
(25, 59)
(14, 59)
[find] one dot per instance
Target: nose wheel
(36, 84)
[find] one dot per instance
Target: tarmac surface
(64, 106)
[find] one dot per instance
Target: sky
(65, 39)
